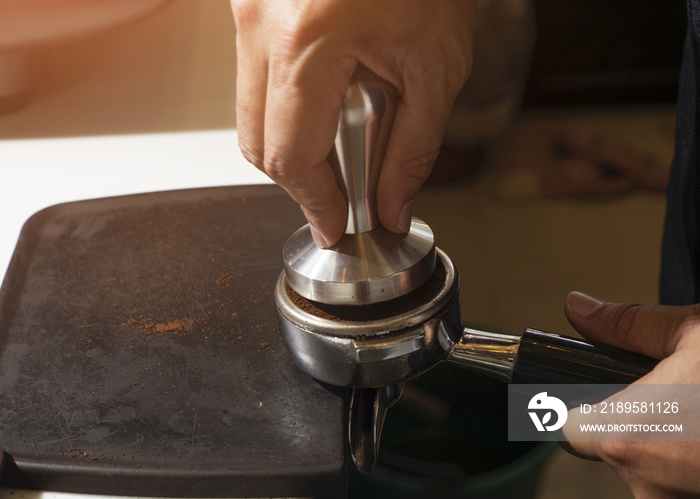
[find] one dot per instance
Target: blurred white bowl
(28, 24)
(25, 23)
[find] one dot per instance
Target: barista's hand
(650, 469)
(295, 62)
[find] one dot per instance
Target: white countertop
(37, 173)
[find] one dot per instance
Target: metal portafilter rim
(346, 324)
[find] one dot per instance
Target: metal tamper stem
(369, 264)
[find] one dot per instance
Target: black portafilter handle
(551, 358)
(539, 357)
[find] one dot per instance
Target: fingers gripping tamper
(369, 264)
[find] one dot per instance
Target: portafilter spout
(369, 264)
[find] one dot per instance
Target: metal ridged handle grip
(366, 118)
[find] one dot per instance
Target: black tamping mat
(139, 353)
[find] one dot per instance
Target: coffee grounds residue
(224, 280)
(375, 311)
(175, 326)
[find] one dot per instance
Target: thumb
(652, 330)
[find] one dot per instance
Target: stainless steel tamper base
(362, 269)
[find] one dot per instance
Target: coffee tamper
(379, 309)
(369, 264)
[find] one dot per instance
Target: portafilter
(378, 308)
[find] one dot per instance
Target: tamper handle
(366, 118)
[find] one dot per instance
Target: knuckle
(619, 454)
(417, 168)
(301, 26)
(623, 318)
(670, 324)
(278, 168)
(247, 13)
(457, 66)
(252, 154)
(631, 318)
(451, 71)
(690, 325)
(461, 69)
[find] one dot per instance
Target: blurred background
(552, 176)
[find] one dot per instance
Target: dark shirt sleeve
(679, 273)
